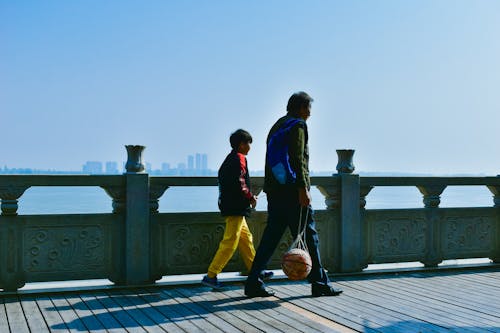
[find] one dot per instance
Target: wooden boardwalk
(437, 301)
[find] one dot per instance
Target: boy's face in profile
(244, 148)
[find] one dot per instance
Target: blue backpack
(277, 153)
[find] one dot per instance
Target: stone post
(350, 220)
(11, 239)
(137, 220)
(495, 190)
(432, 199)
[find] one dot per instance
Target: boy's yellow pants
(236, 236)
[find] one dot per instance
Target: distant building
(112, 168)
(165, 168)
(190, 165)
(204, 162)
(198, 162)
(92, 167)
(148, 167)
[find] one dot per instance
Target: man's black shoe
(258, 293)
(324, 290)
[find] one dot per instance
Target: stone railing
(135, 244)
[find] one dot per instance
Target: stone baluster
(331, 194)
(432, 194)
(155, 193)
(257, 185)
(363, 192)
(9, 195)
(495, 190)
(117, 193)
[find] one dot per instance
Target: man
(287, 202)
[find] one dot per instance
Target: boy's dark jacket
(234, 186)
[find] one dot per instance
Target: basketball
(296, 264)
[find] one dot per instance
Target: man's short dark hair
(297, 101)
(239, 136)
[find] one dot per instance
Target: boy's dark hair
(238, 137)
(298, 100)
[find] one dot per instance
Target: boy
(235, 203)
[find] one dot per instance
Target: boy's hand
(304, 197)
(253, 201)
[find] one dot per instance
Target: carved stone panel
(464, 236)
(189, 241)
(396, 237)
(189, 247)
(70, 251)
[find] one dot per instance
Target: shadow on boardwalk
(460, 301)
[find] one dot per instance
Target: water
(63, 200)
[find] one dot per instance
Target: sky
(412, 86)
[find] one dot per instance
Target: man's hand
(304, 197)
(253, 201)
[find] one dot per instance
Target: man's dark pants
(284, 211)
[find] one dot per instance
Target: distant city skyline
(196, 164)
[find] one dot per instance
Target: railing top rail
(118, 180)
(61, 180)
(212, 181)
(429, 181)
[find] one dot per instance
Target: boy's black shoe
(318, 289)
(212, 282)
(266, 275)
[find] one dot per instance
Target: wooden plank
(69, 316)
(34, 317)
(262, 308)
(361, 315)
(199, 297)
(84, 314)
(286, 313)
(139, 316)
(15, 315)
(4, 323)
(395, 305)
(463, 296)
(319, 323)
(51, 315)
(259, 308)
(367, 312)
(418, 292)
(474, 279)
(151, 311)
(122, 316)
(302, 298)
(214, 299)
(102, 314)
(424, 310)
(269, 307)
(194, 304)
(171, 310)
(184, 308)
